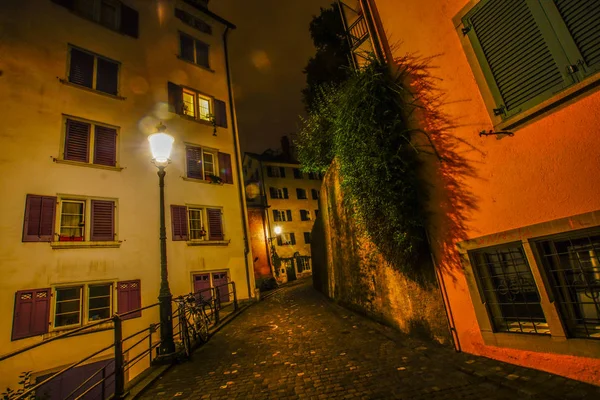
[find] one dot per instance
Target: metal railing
(121, 346)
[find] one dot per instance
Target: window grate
(508, 289)
(572, 265)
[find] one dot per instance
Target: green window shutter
(518, 52)
(582, 19)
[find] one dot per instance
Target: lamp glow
(161, 145)
(278, 230)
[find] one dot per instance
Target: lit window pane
(72, 221)
(209, 164)
(204, 107)
(196, 226)
(189, 104)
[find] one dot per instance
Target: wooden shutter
(175, 94)
(289, 215)
(40, 214)
(220, 113)
(279, 240)
(31, 313)
(81, 68)
(285, 193)
(186, 47)
(105, 146)
(107, 76)
(273, 192)
(293, 238)
(129, 297)
(179, 222)
(582, 18)
(307, 237)
(77, 141)
(225, 172)
(202, 51)
(282, 172)
(103, 221)
(130, 21)
(194, 162)
(215, 224)
(276, 216)
(518, 53)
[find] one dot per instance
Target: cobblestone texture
(298, 345)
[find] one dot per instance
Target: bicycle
(193, 321)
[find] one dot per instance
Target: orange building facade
(516, 232)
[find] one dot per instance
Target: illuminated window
(189, 103)
(209, 163)
(196, 223)
(72, 225)
(204, 108)
(73, 217)
(196, 106)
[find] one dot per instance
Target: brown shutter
(220, 113)
(279, 240)
(40, 213)
(129, 21)
(202, 51)
(289, 215)
(285, 193)
(275, 215)
(175, 98)
(225, 172)
(31, 314)
(107, 76)
(179, 222)
(293, 238)
(129, 298)
(103, 221)
(77, 141)
(194, 162)
(105, 147)
(81, 68)
(186, 47)
(215, 224)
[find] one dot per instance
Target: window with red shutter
(105, 146)
(77, 141)
(225, 172)
(215, 224)
(40, 213)
(129, 298)
(78, 137)
(179, 222)
(31, 314)
(220, 113)
(103, 220)
(194, 162)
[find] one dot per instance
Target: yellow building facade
(83, 84)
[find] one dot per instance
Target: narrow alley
(298, 345)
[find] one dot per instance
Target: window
(195, 223)
(572, 266)
(301, 194)
(304, 215)
(93, 71)
(67, 308)
(82, 304)
(307, 237)
(315, 194)
(73, 215)
(286, 239)
(531, 50)
(276, 172)
(110, 13)
(297, 173)
(209, 165)
(191, 103)
(313, 175)
(90, 143)
(303, 264)
(278, 193)
(192, 21)
(508, 290)
(193, 50)
(282, 215)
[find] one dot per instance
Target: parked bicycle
(195, 316)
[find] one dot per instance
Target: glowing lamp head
(161, 145)
(278, 230)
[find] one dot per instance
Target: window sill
(208, 242)
(88, 165)
(84, 245)
(66, 82)
(185, 178)
(197, 120)
(108, 325)
(196, 65)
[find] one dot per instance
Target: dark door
(220, 278)
(62, 386)
(201, 282)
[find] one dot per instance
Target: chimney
(285, 147)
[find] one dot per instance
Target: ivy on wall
(362, 124)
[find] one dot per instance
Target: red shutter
(105, 147)
(32, 313)
(129, 21)
(77, 141)
(103, 221)
(225, 171)
(129, 297)
(220, 113)
(175, 98)
(179, 222)
(81, 68)
(40, 213)
(107, 76)
(194, 162)
(215, 224)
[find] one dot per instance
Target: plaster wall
(33, 57)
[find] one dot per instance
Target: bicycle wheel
(185, 336)
(203, 328)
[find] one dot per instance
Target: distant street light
(161, 145)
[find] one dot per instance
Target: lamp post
(161, 144)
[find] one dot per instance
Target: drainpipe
(237, 161)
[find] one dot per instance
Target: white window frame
(204, 219)
(196, 112)
(87, 217)
(84, 306)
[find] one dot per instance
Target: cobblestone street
(298, 345)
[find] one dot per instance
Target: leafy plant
(26, 383)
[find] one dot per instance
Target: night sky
(268, 50)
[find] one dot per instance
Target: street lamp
(161, 144)
(278, 230)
